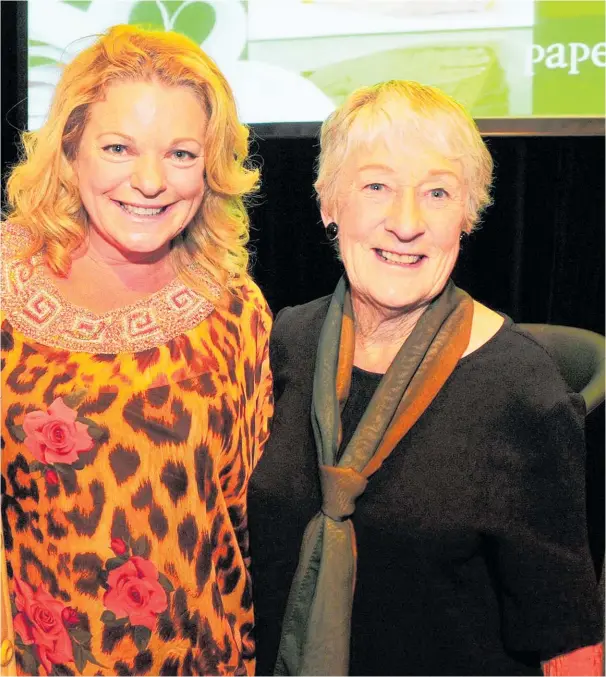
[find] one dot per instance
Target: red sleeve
(587, 661)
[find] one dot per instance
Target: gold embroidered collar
(36, 308)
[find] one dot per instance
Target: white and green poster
(295, 60)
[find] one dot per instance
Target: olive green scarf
(316, 626)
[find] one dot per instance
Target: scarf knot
(340, 489)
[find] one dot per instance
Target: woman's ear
(327, 216)
(69, 169)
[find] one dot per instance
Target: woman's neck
(380, 334)
(101, 280)
(145, 274)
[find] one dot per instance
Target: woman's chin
(395, 302)
(143, 248)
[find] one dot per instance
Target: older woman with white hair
(429, 516)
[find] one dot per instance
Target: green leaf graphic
(86, 421)
(79, 656)
(79, 464)
(141, 637)
(172, 6)
(114, 563)
(75, 398)
(117, 622)
(147, 14)
(108, 616)
(80, 635)
(140, 546)
(91, 659)
(196, 21)
(79, 4)
(30, 664)
(67, 472)
(96, 433)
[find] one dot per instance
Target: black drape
(538, 255)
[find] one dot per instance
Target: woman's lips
(399, 259)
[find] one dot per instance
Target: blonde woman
(428, 517)
(136, 385)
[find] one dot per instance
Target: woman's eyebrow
(112, 133)
(375, 166)
(174, 142)
(446, 173)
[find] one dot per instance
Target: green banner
(568, 59)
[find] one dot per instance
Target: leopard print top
(127, 444)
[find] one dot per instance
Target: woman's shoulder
(15, 268)
(534, 356)
(301, 320)
(485, 324)
(516, 364)
(247, 306)
(511, 342)
(496, 335)
(14, 240)
(294, 337)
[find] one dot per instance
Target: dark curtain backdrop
(539, 255)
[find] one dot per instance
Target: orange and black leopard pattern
(124, 478)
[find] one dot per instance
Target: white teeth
(399, 258)
(141, 211)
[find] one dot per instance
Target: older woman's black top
(472, 546)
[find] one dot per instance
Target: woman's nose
(405, 220)
(148, 176)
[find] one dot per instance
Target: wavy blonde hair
(398, 110)
(42, 192)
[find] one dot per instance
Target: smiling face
(400, 212)
(140, 167)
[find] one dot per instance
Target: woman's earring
(332, 230)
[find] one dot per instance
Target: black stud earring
(332, 230)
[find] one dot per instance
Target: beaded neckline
(35, 307)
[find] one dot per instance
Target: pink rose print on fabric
(39, 622)
(55, 436)
(134, 592)
(51, 477)
(118, 546)
(70, 617)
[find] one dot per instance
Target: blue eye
(115, 148)
(184, 155)
(438, 193)
(376, 187)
